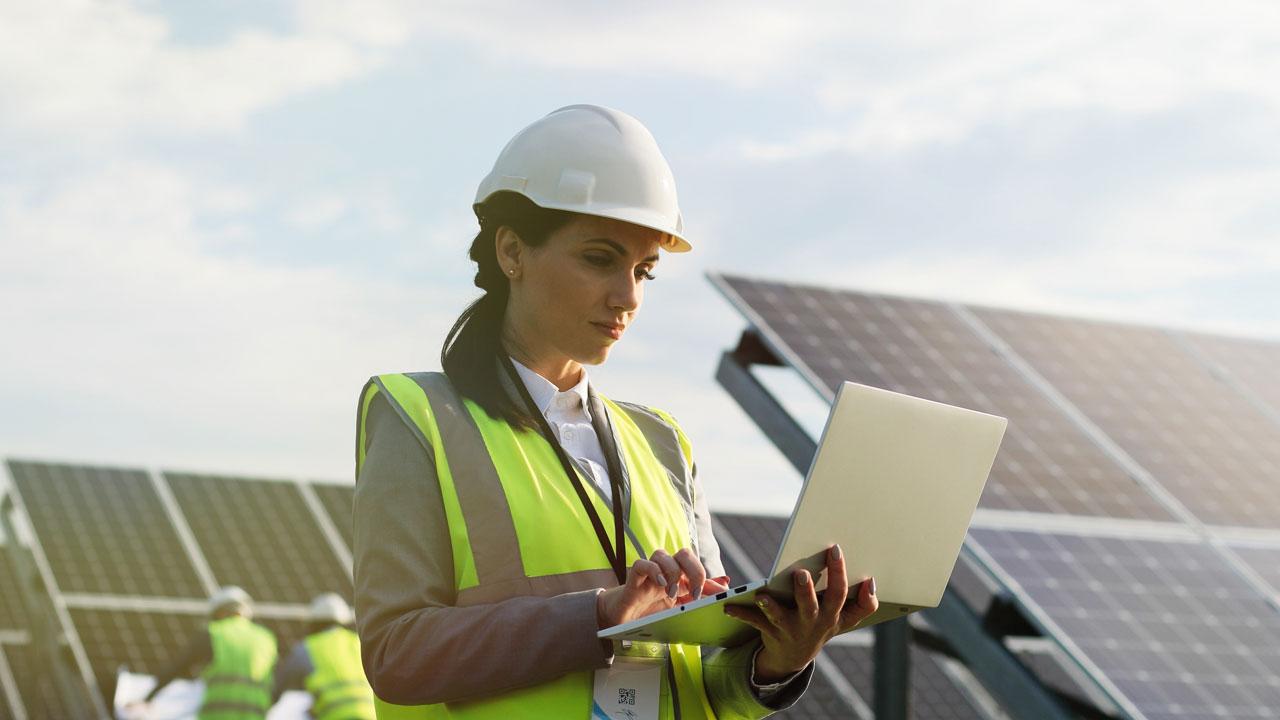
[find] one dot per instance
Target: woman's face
(575, 296)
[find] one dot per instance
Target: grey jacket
(418, 648)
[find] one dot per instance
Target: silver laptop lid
(895, 482)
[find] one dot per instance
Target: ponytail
(472, 348)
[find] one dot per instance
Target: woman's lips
(613, 331)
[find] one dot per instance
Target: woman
(488, 551)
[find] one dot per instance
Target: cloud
(905, 78)
(746, 44)
(136, 342)
(100, 68)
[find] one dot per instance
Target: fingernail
(835, 551)
(802, 577)
(873, 586)
(763, 602)
(662, 580)
(697, 593)
(672, 590)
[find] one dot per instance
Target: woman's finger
(643, 571)
(693, 570)
(837, 586)
(864, 605)
(752, 617)
(670, 570)
(772, 611)
(715, 585)
(806, 597)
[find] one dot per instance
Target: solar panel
(260, 535)
(924, 349)
(934, 693)
(104, 530)
(1198, 437)
(1251, 364)
(35, 689)
(142, 642)
(12, 613)
(1174, 631)
(337, 502)
(1264, 560)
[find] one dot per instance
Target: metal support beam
(1020, 693)
(892, 650)
(734, 375)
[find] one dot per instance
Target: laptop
(895, 482)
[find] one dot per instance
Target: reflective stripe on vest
(502, 488)
(238, 678)
(337, 684)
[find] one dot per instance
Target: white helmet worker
(331, 607)
(595, 161)
(230, 595)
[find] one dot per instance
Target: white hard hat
(330, 606)
(231, 595)
(595, 161)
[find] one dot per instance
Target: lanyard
(617, 555)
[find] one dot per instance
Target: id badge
(629, 690)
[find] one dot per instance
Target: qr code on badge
(626, 696)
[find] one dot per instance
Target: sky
(217, 219)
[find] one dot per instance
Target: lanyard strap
(617, 555)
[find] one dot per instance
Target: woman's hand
(656, 584)
(793, 636)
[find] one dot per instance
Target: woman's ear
(509, 249)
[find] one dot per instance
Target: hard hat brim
(673, 240)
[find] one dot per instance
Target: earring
(511, 272)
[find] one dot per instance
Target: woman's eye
(642, 274)
(599, 260)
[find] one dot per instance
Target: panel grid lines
(1176, 631)
(921, 348)
(1206, 444)
(260, 535)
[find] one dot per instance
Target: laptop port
(722, 595)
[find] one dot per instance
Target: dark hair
(471, 350)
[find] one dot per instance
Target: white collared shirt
(569, 416)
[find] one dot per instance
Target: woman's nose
(626, 294)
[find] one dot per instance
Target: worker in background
(327, 665)
(237, 657)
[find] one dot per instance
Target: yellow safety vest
(517, 528)
(237, 682)
(339, 690)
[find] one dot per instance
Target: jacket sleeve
(416, 646)
(726, 672)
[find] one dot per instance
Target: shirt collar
(543, 391)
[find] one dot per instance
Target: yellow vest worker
(327, 665)
(237, 657)
(237, 683)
